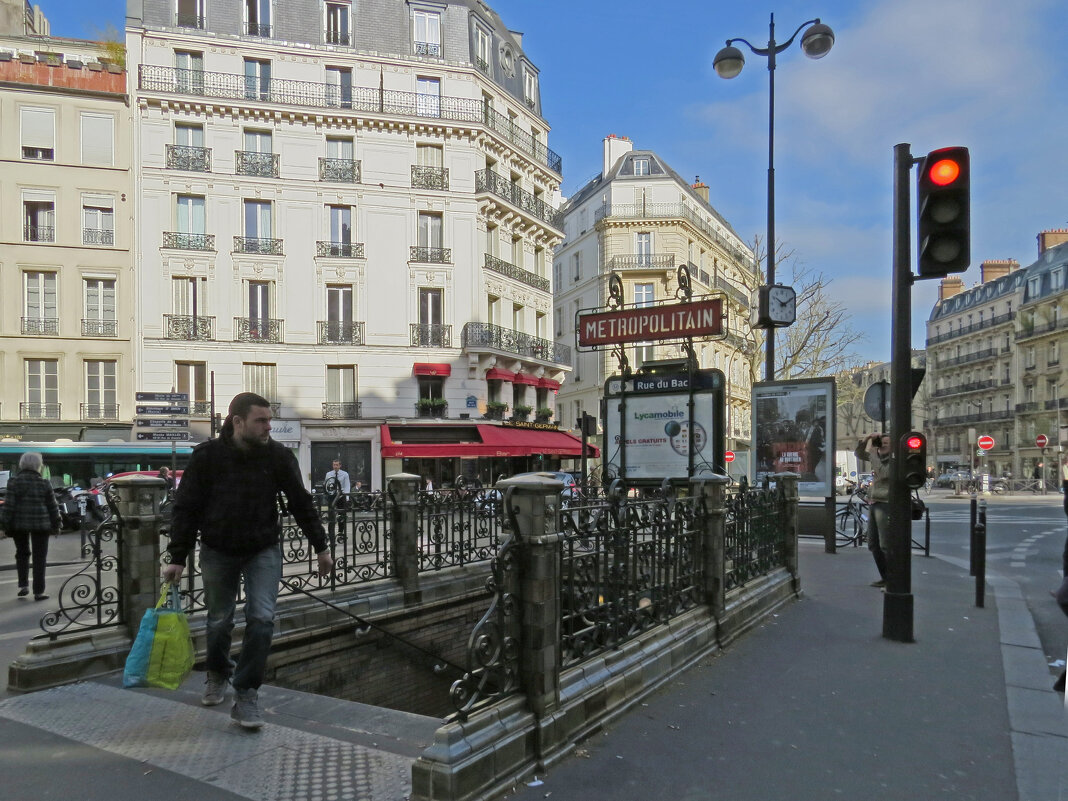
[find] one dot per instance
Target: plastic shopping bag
(162, 653)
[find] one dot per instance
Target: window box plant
(543, 415)
(432, 407)
(521, 412)
(495, 410)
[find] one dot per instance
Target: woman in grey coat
(29, 514)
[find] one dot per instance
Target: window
(641, 166)
(1056, 280)
(258, 17)
(38, 133)
(517, 251)
(428, 97)
(429, 155)
(493, 240)
(42, 388)
(98, 139)
(517, 317)
(191, 13)
(339, 304)
(99, 317)
(1054, 352)
(39, 216)
(261, 379)
(98, 220)
(189, 220)
(257, 219)
(644, 244)
(643, 295)
(257, 79)
(188, 134)
(530, 88)
(41, 315)
(337, 23)
(259, 301)
(539, 325)
(430, 307)
(539, 261)
(101, 395)
(340, 225)
(257, 141)
(341, 384)
(339, 87)
(482, 50)
(189, 296)
(430, 230)
(189, 72)
(192, 379)
(427, 33)
(340, 147)
(493, 310)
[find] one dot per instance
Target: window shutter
(38, 127)
(98, 139)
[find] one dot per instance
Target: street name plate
(162, 409)
(161, 423)
(161, 397)
(163, 436)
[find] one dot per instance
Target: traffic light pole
(898, 600)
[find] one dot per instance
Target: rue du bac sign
(701, 318)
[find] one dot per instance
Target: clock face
(782, 304)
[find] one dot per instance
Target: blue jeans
(222, 575)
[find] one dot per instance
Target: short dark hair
(240, 406)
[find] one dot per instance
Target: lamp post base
(897, 616)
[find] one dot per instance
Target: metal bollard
(980, 570)
(971, 535)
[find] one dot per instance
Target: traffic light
(914, 459)
(944, 208)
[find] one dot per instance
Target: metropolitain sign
(703, 318)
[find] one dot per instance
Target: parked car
(951, 478)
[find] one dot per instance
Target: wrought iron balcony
(192, 159)
(642, 261)
(968, 329)
(248, 162)
(518, 273)
(431, 336)
(366, 100)
(479, 336)
(660, 211)
(98, 236)
(1034, 329)
(340, 332)
(352, 410)
(427, 49)
(1057, 403)
(482, 64)
(39, 411)
(41, 326)
(100, 328)
(968, 358)
(431, 255)
(257, 329)
(489, 181)
(260, 29)
(336, 38)
(189, 328)
(972, 386)
(39, 233)
(99, 411)
(430, 177)
(181, 240)
(190, 21)
(732, 291)
(260, 245)
(339, 250)
(342, 171)
(1025, 408)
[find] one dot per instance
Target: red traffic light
(944, 172)
(914, 442)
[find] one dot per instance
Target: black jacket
(30, 504)
(229, 495)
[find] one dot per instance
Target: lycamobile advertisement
(658, 434)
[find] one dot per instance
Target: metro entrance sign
(985, 443)
(701, 318)
(1041, 441)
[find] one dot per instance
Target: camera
(877, 441)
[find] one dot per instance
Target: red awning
(548, 383)
(429, 368)
(497, 374)
(529, 380)
(495, 441)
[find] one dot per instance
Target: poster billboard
(793, 422)
(651, 432)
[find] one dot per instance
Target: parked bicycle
(851, 521)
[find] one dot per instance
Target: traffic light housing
(914, 459)
(944, 213)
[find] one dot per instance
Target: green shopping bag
(162, 653)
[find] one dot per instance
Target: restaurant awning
(444, 441)
(548, 383)
(497, 374)
(529, 380)
(430, 368)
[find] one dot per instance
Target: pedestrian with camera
(875, 448)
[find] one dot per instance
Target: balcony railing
(642, 261)
(352, 410)
(518, 273)
(431, 409)
(40, 326)
(339, 250)
(426, 335)
(100, 328)
(660, 211)
(986, 353)
(249, 162)
(180, 240)
(1057, 402)
(336, 38)
(260, 245)
(430, 177)
(257, 329)
(189, 328)
(200, 408)
(39, 411)
(98, 236)
(476, 336)
(99, 411)
(192, 159)
(971, 386)
(732, 291)
(427, 49)
(489, 181)
(482, 64)
(260, 29)
(1029, 406)
(190, 21)
(1035, 330)
(971, 328)
(340, 332)
(431, 255)
(39, 233)
(342, 171)
(365, 100)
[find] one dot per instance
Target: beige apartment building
(66, 233)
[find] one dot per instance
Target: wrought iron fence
(182, 240)
(339, 250)
(518, 273)
(258, 244)
(484, 335)
(258, 329)
(98, 236)
(340, 332)
(344, 171)
(248, 162)
(189, 327)
(430, 177)
(431, 255)
(426, 335)
(457, 527)
(753, 540)
(99, 328)
(192, 159)
(489, 181)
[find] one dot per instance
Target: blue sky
(982, 73)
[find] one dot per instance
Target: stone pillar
(712, 490)
(404, 488)
(535, 503)
(788, 483)
(139, 498)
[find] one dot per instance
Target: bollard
(980, 563)
(971, 538)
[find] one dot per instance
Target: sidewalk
(813, 704)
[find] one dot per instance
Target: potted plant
(495, 410)
(521, 412)
(543, 415)
(431, 407)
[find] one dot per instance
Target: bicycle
(851, 522)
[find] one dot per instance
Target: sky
(985, 74)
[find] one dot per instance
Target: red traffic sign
(728, 456)
(1042, 440)
(985, 443)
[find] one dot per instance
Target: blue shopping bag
(162, 654)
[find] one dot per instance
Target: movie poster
(793, 430)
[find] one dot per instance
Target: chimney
(614, 148)
(992, 269)
(1050, 239)
(700, 188)
(950, 286)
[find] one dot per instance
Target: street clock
(776, 307)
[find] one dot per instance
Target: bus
(86, 464)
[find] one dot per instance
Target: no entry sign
(1042, 440)
(728, 456)
(985, 443)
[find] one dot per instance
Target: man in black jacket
(228, 494)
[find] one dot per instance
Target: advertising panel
(792, 423)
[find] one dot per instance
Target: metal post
(769, 353)
(980, 555)
(972, 548)
(898, 600)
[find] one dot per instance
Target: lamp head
(728, 62)
(818, 40)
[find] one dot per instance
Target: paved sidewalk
(813, 704)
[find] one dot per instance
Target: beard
(252, 441)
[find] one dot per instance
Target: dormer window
(427, 33)
(641, 166)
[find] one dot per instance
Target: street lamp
(816, 43)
